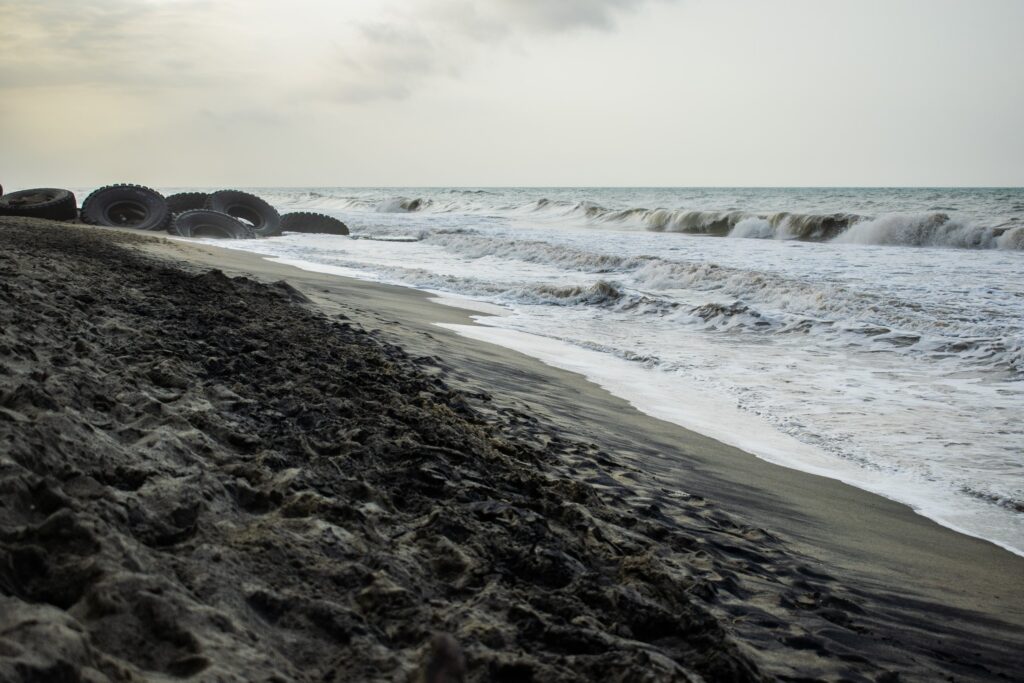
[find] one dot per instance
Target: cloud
(387, 61)
(390, 60)
(235, 50)
(54, 43)
(566, 14)
(486, 19)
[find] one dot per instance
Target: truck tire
(186, 201)
(248, 208)
(127, 206)
(305, 221)
(45, 202)
(209, 223)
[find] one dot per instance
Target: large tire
(304, 221)
(127, 206)
(45, 202)
(186, 201)
(248, 208)
(209, 223)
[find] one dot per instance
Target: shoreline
(758, 440)
(812, 510)
(653, 399)
(803, 576)
(410, 303)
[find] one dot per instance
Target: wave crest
(935, 227)
(601, 293)
(403, 205)
(931, 230)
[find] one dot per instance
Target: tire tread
(92, 195)
(62, 208)
(312, 222)
(271, 216)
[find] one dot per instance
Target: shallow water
(882, 328)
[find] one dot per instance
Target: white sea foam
(753, 226)
(932, 230)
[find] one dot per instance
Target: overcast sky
(511, 92)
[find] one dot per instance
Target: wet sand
(553, 530)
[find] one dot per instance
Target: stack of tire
(228, 214)
(142, 208)
(254, 212)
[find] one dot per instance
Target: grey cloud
(486, 20)
(142, 46)
(440, 37)
(568, 14)
(385, 62)
(393, 49)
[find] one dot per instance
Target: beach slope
(290, 476)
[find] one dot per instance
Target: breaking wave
(601, 293)
(938, 226)
(403, 205)
(919, 230)
(932, 230)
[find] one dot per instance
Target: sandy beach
(219, 467)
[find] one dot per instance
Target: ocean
(870, 335)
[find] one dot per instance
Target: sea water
(872, 335)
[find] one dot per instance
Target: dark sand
(206, 477)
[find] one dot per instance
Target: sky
(260, 93)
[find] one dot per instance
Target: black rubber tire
(45, 202)
(210, 223)
(186, 201)
(248, 208)
(127, 206)
(305, 221)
